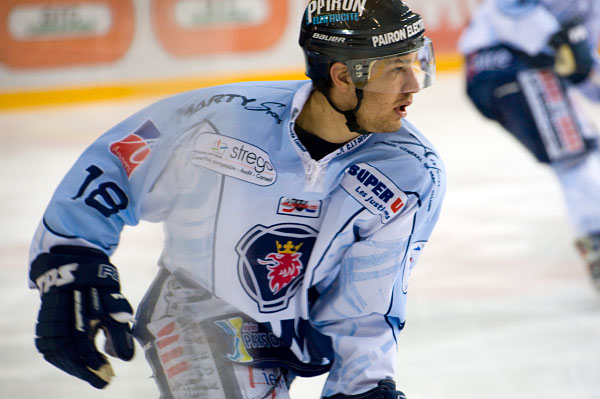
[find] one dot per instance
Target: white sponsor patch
(374, 191)
(297, 207)
(233, 158)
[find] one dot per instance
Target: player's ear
(340, 78)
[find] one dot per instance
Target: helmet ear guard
(317, 68)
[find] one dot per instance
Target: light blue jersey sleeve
(104, 190)
(364, 309)
(126, 175)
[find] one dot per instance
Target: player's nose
(411, 83)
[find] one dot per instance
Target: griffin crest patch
(272, 261)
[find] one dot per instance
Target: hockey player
(293, 215)
(524, 60)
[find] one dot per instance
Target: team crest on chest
(272, 262)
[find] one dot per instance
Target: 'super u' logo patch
(272, 262)
(373, 190)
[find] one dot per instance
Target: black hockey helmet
(361, 32)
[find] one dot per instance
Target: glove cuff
(72, 267)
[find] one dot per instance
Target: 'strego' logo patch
(135, 148)
(373, 190)
(234, 158)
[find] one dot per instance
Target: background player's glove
(573, 58)
(80, 294)
(386, 389)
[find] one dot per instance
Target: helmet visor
(405, 72)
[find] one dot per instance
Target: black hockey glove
(80, 294)
(573, 60)
(386, 389)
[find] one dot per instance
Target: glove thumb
(115, 323)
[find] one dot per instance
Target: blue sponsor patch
(373, 190)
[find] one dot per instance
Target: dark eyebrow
(403, 61)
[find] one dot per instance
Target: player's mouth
(401, 109)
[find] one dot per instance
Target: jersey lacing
(315, 171)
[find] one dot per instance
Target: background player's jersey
(249, 216)
(528, 25)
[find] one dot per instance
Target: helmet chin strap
(350, 115)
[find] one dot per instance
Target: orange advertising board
(444, 39)
(55, 33)
(186, 28)
(444, 22)
(184, 39)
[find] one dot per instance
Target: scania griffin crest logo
(272, 261)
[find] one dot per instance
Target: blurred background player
(524, 60)
(293, 214)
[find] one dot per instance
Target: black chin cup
(350, 115)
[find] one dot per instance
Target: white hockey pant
(182, 353)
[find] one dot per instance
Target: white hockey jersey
(250, 216)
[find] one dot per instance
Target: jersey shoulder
(407, 158)
(407, 148)
(247, 95)
(259, 89)
(229, 108)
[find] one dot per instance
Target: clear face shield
(405, 72)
